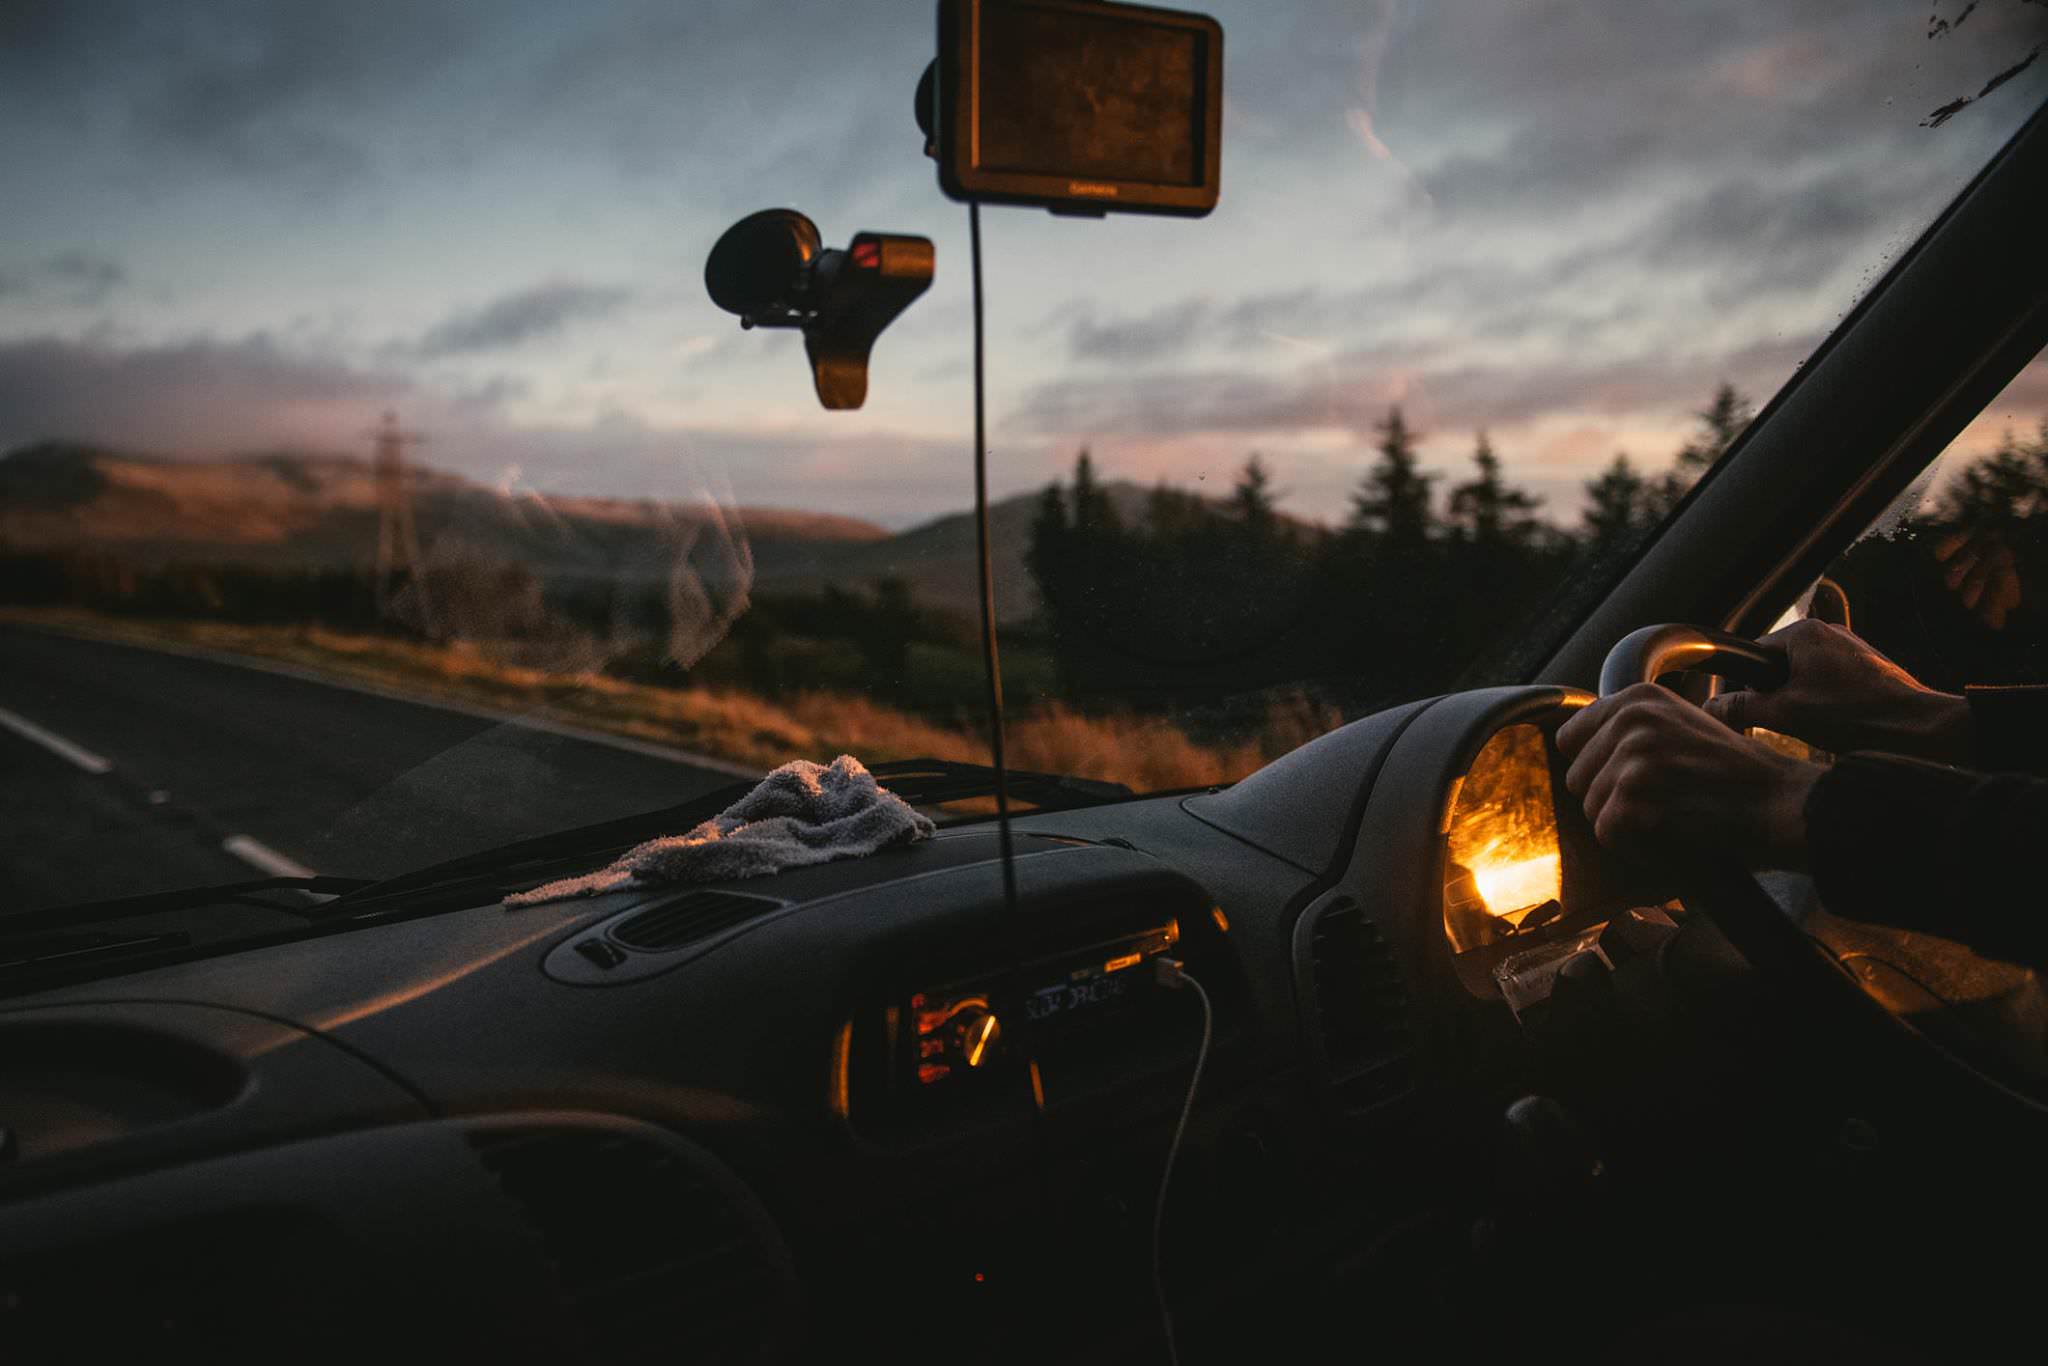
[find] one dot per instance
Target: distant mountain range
(320, 511)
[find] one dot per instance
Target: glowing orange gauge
(1502, 864)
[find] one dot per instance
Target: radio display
(1066, 998)
(1093, 981)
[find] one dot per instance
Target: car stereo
(999, 1041)
(986, 1027)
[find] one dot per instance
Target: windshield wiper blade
(920, 782)
(185, 898)
(950, 780)
(542, 851)
(21, 958)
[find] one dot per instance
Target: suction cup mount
(773, 270)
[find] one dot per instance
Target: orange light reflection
(1501, 840)
(1510, 887)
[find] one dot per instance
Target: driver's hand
(1982, 572)
(1662, 779)
(1842, 696)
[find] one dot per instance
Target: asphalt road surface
(126, 770)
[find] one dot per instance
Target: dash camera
(773, 269)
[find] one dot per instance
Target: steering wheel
(1752, 921)
(1729, 894)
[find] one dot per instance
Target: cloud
(195, 395)
(75, 278)
(1164, 331)
(269, 91)
(324, 96)
(1738, 247)
(1751, 235)
(1351, 393)
(212, 397)
(1476, 298)
(1610, 111)
(523, 316)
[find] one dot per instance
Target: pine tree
(1724, 418)
(1618, 508)
(1721, 421)
(1046, 555)
(1094, 513)
(1393, 498)
(1488, 512)
(1251, 501)
(2002, 489)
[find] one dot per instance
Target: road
(125, 770)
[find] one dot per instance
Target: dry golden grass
(1145, 753)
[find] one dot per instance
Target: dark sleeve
(2010, 729)
(1923, 847)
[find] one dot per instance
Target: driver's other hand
(1661, 778)
(1982, 572)
(1842, 695)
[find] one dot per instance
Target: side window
(1952, 582)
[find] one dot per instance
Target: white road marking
(248, 849)
(260, 855)
(56, 744)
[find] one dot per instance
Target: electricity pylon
(398, 540)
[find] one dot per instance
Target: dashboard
(860, 1104)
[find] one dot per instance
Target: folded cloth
(802, 813)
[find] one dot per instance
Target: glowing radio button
(979, 1037)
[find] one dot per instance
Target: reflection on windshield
(1952, 583)
(376, 476)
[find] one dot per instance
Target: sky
(236, 226)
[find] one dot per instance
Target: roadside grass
(1146, 753)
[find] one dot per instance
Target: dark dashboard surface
(815, 1049)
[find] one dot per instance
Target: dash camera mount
(773, 269)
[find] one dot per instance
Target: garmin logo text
(1089, 187)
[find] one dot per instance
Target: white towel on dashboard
(802, 813)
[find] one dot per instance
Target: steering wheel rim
(1731, 896)
(1643, 655)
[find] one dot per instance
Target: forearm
(1941, 850)
(2007, 729)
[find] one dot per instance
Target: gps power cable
(1172, 974)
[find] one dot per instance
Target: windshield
(381, 485)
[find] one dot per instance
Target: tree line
(1220, 609)
(1197, 600)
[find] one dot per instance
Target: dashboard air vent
(688, 918)
(1361, 1009)
(655, 1259)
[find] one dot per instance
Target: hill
(937, 558)
(292, 510)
